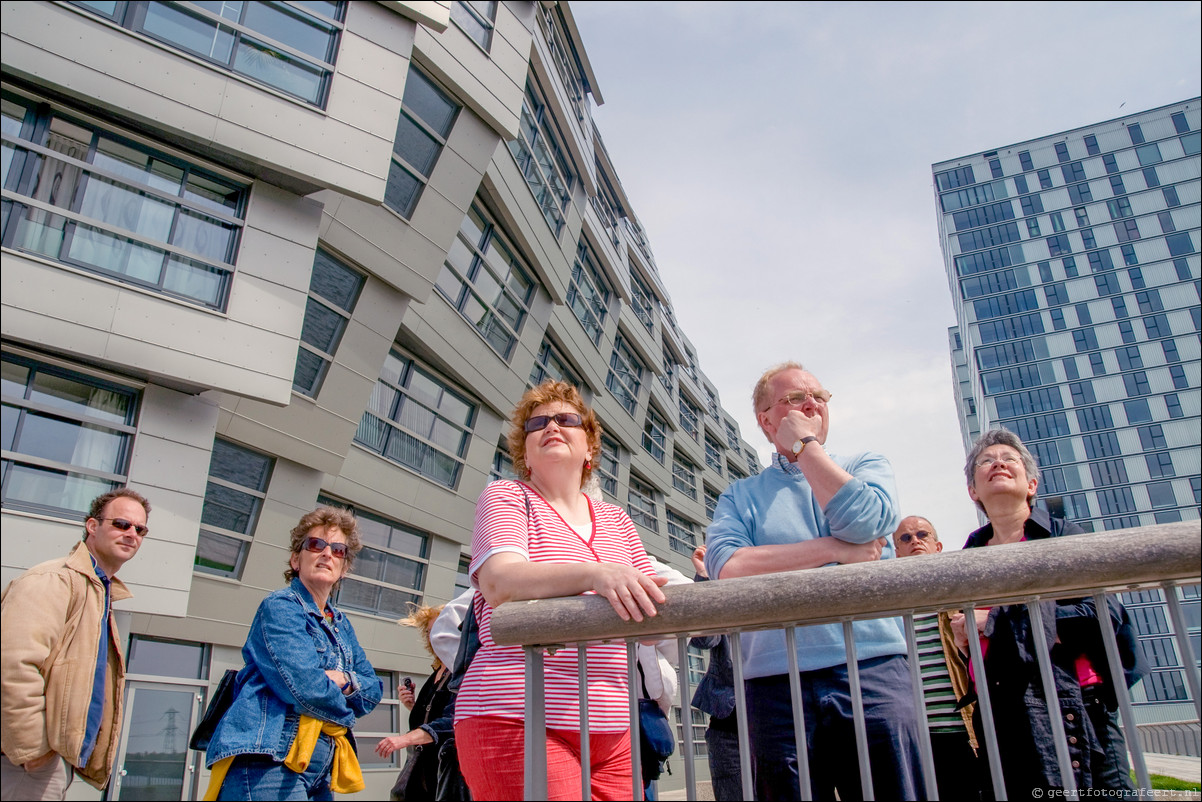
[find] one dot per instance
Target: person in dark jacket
(1002, 479)
(715, 695)
(430, 717)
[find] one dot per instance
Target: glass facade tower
(1073, 263)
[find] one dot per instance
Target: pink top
(495, 681)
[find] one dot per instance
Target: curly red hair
(549, 392)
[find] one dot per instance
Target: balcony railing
(1023, 573)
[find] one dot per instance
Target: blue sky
(779, 156)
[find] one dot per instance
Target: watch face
(798, 445)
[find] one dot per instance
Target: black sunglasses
(125, 526)
(921, 534)
(317, 545)
(539, 422)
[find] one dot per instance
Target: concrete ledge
(1066, 566)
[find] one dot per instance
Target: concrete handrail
(1057, 567)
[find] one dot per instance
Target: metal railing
(1024, 573)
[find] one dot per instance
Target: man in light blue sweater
(807, 510)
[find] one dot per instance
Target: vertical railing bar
(636, 757)
(920, 703)
(1068, 781)
(857, 707)
(535, 787)
(984, 703)
(686, 718)
(586, 780)
(1119, 682)
(1181, 633)
(799, 724)
(736, 660)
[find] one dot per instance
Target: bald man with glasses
(945, 680)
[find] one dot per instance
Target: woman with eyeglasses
(305, 681)
(537, 538)
(1003, 478)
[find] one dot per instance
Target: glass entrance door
(154, 762)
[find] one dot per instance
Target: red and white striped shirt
(496, 680)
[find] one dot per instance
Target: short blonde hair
(549, 392)
(422, 617)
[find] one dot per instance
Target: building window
(476, 18)
(1136, 383)
(1177, 372)
(1061, 152)
(1191, 143)
(1170, 351)
(1137, 410)
(1126, 230)
(1179, 244)
(92, 199)
(541, 159)
(1165, 686)
(1091, 145)
(995, 168)
(1129, 358)
(463, 579)
(684, 476)
(588, 293)
(641, 504)
(390, 571)
(1080, 193)
(1116, 185)
(1157, 326)
(1160, 494)
(682, 534)
(1107, 284)
(1150, 177)
(711, 502)
(286, 46)
(1137, 134)
(625, 375)
(607, 465)
(1024, 160)
(641, 301)
(1159, 464)
(1171, 198)
(1082, 216)
(1110, 163)
(502, 463)
(427, 116)
(1166, 222)
(690, 415)
(655, 435)
(713, 453)
(416, 420)
(1058, 245)
(1097, 364)
(485, 279)
(1072, 172)
(1129, 255)
(1058, 323)
(1100, 260)
(333, 292)
(550, 364)
(68, 437)
(1173, 404)
(1045, 179)
(1137, 279)
(234, 497)
(1148, 154)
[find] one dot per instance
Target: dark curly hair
(549, 392)
(100, 502)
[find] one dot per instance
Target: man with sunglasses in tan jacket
(60, 657)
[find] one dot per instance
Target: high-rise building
(259, 256)
(1073, 263)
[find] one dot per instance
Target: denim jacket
(288, 649)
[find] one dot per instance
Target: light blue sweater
(775, 507)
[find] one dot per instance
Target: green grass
(1164, 783)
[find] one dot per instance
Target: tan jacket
(958, 672)
(50, 619)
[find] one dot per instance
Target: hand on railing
(631, 592)
(846, 553)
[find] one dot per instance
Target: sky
(779, 157)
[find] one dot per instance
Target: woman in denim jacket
(287, 734)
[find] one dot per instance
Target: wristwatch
(799, 445)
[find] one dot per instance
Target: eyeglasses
(539, 422)
(125, 526)
(1009, 460)
(799, 397)
(317, 545)
(919, 535)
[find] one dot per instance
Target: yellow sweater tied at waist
(345, 776)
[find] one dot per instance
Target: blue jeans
(892, 728)
(726, 775)
(259, 777)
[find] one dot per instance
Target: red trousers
(491, 751)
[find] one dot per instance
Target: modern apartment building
(262, 255)
(1073, 263)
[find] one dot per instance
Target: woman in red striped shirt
(537, 539)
